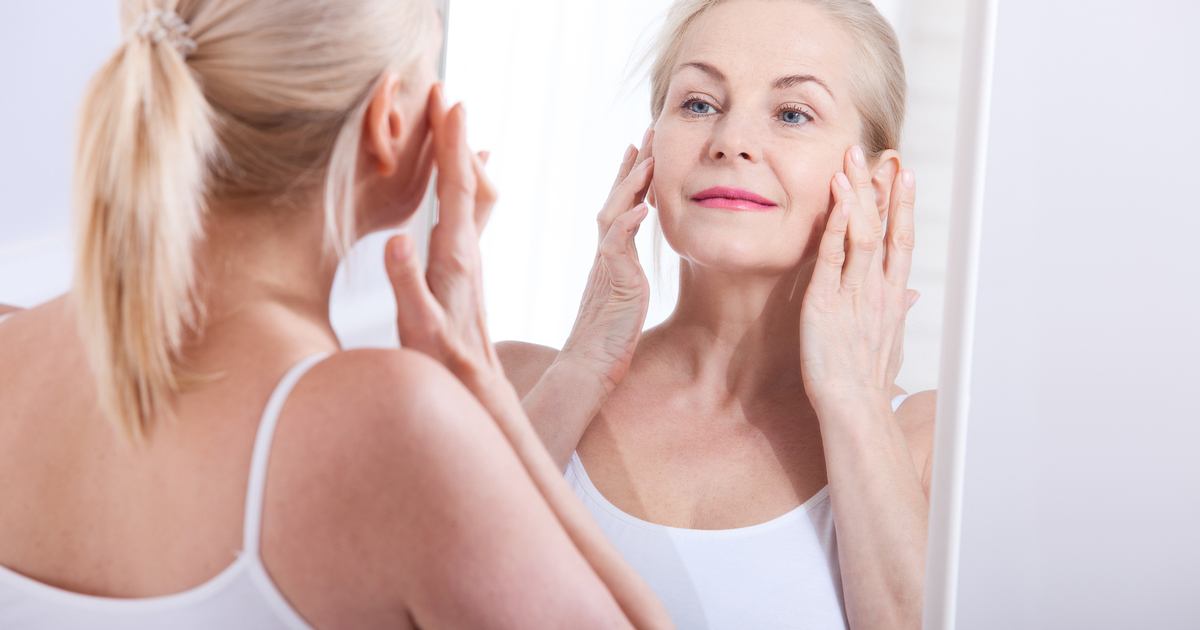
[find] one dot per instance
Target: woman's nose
(734, 139)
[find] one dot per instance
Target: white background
(1082, 489)
(549, 90)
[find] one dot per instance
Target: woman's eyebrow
(784, 83)
(706, 69)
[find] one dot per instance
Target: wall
(1082, 504)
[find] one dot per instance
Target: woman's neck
(738, 331)
(256, 263)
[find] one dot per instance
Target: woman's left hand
(852, 318)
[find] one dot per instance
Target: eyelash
(686, 108)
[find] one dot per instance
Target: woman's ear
(886, 169)
(383, 126)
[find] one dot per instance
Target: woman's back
(378, 473)
(79, 501)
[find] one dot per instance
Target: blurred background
(550, 89)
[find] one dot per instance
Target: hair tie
(157, 25)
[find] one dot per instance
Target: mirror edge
(954, 378)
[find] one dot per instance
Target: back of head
(206, 101)
(877, 80)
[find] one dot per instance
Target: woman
(721, 448)
(228, 151)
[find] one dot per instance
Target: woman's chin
(738, 261)
(756, 253)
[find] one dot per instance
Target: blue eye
(700, 107)
(794, 117)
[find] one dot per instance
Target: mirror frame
(962, 270)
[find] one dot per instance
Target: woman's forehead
(765, 41)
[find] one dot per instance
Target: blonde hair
(258, 100)
(877, 79)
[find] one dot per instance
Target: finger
(456, 185)
(861, 241)
(435, 106)
(861, 247)
(627, 164)
(619, 249)
(901, 229)
(418, 313)
(646, 153)
(483, 156)
(625, 196)
(485, 192)
(831, 255)
(860, 179)
(913, 296)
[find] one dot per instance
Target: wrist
(583, 373)
(852, 407)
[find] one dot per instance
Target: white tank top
(780, 574)
(242, 597)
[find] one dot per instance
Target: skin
(394, 496)
(773, 377)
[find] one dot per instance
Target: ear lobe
(650, 198)
(383, 125)
(886, 169)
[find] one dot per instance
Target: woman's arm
(562, 391)
(852, 332)
(440, 313)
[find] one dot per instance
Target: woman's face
(757, 120)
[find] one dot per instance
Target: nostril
(745, 156)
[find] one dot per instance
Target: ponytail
(145, 141)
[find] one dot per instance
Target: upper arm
(402, 501)
(916, 417)
(524, 363)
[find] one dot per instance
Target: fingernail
(646, 162)
(484, 155)
(909, 178)
(913, 300)
(856, 154)
(646, 136)
(842, 181)
(846, 208)
(629, 153)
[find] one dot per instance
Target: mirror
(550, 88)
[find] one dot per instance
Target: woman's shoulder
(391, 490)
(524, 363)
(916, 417)
(379, 384)
(366, 440)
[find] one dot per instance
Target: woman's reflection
(722, 449)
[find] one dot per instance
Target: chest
(673, 459)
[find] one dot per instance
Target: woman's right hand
(597, 355)
(614, 304)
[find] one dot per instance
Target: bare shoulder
(916, 417)
(381, 469)
(6, 309)
(356, 432)
(524, 363)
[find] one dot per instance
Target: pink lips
(733, 199)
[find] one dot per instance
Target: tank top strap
(897, 401)
(252, 529)
(5, 316)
